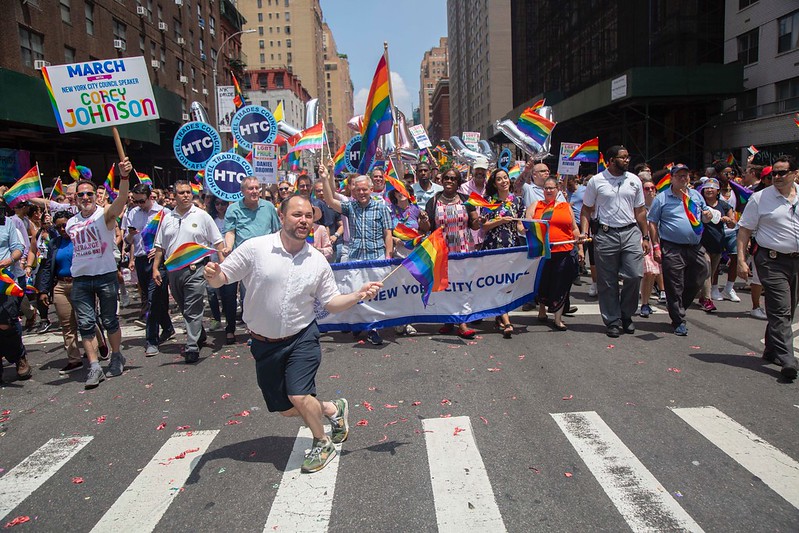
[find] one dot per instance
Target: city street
(549, 431)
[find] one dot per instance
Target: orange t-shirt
(560, 225)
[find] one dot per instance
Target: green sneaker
(340, 428)
(322, 453)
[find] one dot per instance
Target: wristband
(656, 246)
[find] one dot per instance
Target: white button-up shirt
(615, 198)
(774, 219)
(283, 290)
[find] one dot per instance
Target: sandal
(507, 331)
(468, 334)
(561, 327)
(499, 324)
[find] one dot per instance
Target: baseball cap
(676, 168)
(711, 183)
(481, 163)
(765, 172)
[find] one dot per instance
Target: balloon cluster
(524, 141)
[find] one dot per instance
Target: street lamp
(216, 61)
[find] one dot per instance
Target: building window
(120, 30)
(212, 24)
(89, 14)
(213, 54)
(31, 46)
(748, 46)
(178, 27)
(271, 44)
(141, 43)
(287, 16)
(263, 58)
(66, 16)
(745, 3)
(260, 4)
(69, 54)
(150, 11)
(180, 68)
(788, 95)
(278, 44)
(288, 30)
(260, 30)
(288, 57)
(287, 3)
(271, 29)
(260, 17)
(278, 29)
(746, 104)
(261, 44)
(288, 43)
(163, 57)
(788, 32)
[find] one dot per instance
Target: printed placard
(420, 136)
(195, 144)
(253, 124)
(470, 139)
(567, 167)
(265, 162)
(224, 174)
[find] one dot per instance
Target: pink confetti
(567, 474)
(77, 480)
(183, 428)
(471, 343)
(100, 419)
(569, 397)
(675, 370)
(446, 402)
(484, 420)
(6, 412)
(521, 357)
(368, 406)
(361, 341)
(390, 423)
(389, 406)
(384, 439)
(182, 455)
(335, 376)
(5, 419)
(18, 520)
(226, 396)
(232, 422)
(362, 422)
(416, 403)
(534, 469)
(161, 426)
(445, 416)
(747, 353)
(148, 386)
(457, 430)
(696, 347)
(243, 413)
(494, 369)
(372, 389)
(611, 346)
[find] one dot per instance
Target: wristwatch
(646, 237)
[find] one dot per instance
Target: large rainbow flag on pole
(27, 187)
(587, 152)
(238, 99)
(534, 125)
(377, 117)
(428, 264)
(311, 139)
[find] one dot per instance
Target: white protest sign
(98, 94)
(567, 167)
(225, 107)
(264, 162)
(470, 139)
(420, 136)
(481, 285)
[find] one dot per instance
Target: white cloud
(402, 97)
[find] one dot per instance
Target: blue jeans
(86, 290)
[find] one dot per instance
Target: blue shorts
(287, 368)
(729, 243)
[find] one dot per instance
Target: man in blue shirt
(675, 227)
(249, 217)
(10, 329)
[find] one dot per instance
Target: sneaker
(662, 296)
(44, 327)
(707, 305)
(151, 350)
(410, 330)
(71, 367)
(730, 295)
(339, 424)
(629, 328)
(165, 336)
(374, 337)
(141, 323)
(23, 369)
(715, 294)
(681, 330)
(614, 332)
(789, 371)
(116, 366)
(191, 357)
(592, 292)
(94, 378)
(322, 452)
(214, 325)
(758, 313)
(646, 310)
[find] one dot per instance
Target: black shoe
(772, 359)
(191, 357)
(203, 338)
(166, 335)
(629, 328)
(44, 327)
(613, 332)
(570, 311)
(789, 371)
(230, 340)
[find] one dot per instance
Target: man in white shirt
(290, 280)
(617, 196)
(187, 223)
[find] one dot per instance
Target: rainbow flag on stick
(73, 171)
(108, 185)
(144, 179)
(196, 188)
(690, 212)
(539, 104)
(478, 201)
(428, 264)
(8, 286)
(150, 230)
(730, 160)
(58, 188)
(377, 117)
(311, 139)
(409, 236)
(514, 171)
(27, 187)
(309, 238)
(587, 152)
(187, 254)
(601, 166)
(664, 183)
(339, 166)
(534, 125)
(537, 238)
(742, 195)
(238, 99)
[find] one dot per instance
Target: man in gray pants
(187, 223)
(618, 198)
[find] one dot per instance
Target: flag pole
(391, 273)
(395, 127)
(39, 177)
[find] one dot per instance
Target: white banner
(470, 139)
(264, 162)
(225, 107)
(567, 167)
(420, 136)
(481, 285)
(97, 94)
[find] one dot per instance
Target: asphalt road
(548, 431)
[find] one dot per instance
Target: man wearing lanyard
(287, 281)
(771, 213)
(187, 223)
(677, 245)
(618, 198)
(135, 225)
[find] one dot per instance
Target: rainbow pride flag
(539, 104)
(150, 230)
(58, 188)
(108, 185)
(339, 166)
(537, 238)
(187, 254)
(587, 152)
(514, 171)
(8, 286)
(144, 179)
(409, 236)
(730, 159)
(534, 125)
(690, 212)
(311, 139)
(377, 117)
(196, 188)
(752, 149)
(27, 187)
(29, 287)
(428, 263)
(200, 177)
(664, 183)
(393, 183)
(309, 238)
(238, 99)
(796, 120)
(478, 201)
(73, 171)
(742, 195)
(601, 166)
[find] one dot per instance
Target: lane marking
(773, 467)
(303, 502)
(464, 500)
(642, 501)
(22, 480)
(148, 497)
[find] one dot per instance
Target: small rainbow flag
(742, 195)
(108, 185)
(73, 171)
(150, 230)
(514, 171)
(409, 236)
(27, 187)
(144, 179)
(196, 188)
(664, 183)
(537, 238)
(311, 139)
(601, 166)
(587, 152)
(187, 254)
(690, 212)
(730, 159)
(238, 99)
(392, 183)
(534, 125)
(58, 188)
(753, 150)
(478, 201)
(8, 286)
(669, 166)
(428, 263)
(539, 104)
(377, 117)
(309, 238)
(339, 166)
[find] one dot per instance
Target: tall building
(764, 38)
(480, 67)
(289, 36)
(269, 87)
(649, 75)
(439, 129)
(433, 68)
(338, 91)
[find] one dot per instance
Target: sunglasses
(649, 188)
(282, 188)
(780, 172)
(139, 202)
(82, 194)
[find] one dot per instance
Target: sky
(411, 27)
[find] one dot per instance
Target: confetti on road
(458, 430)
(484, 419)
(367, 406)
(161, 426)
(100, 419)
(567, 474)
(362, 422)
(18, 520)
(446, 402)
(675, 370)
(416, 403)
(569, 397)
(232, 422)
(77, 480)
(389, 406)
(226, 396)
(243, 413)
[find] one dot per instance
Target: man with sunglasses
(771, 213)
(155, 297)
